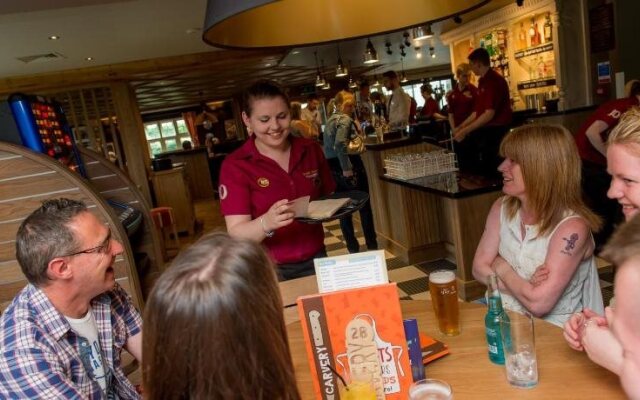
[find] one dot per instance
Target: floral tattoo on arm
(571, 244)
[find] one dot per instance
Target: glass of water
(430, 389)
(518, 340)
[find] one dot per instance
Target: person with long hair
(260, 179)
(348, 169)
(623, 164)
(214, 327)
(541, 221)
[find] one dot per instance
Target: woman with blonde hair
(590, 330)
(462, 97)
(542, 222)
(348, 169)
(214, 327)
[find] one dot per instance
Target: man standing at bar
(311, 112)
(478, 137)
(62, 336)
(399, 103)
(591, 139)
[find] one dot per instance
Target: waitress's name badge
(263, 182)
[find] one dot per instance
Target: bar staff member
(478, 137)
(462, 98)
(259, 179)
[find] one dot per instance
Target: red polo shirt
(462, 102)
(250, 183)
(493, 94)
(610, 114)
(430, 108)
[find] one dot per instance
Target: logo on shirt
(310, 174)
(263, 182)
(222, 192)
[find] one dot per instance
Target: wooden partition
(113, 184)
(28, 178)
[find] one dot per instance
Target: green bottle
(492, 320)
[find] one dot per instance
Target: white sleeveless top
(525, 255)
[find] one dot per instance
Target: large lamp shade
(280, 23)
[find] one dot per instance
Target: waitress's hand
(278, 216)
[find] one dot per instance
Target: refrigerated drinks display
(39, 123)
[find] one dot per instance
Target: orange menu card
(356, 332)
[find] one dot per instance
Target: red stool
(163, 218)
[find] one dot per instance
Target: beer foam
(440, 277)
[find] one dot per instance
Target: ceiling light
(370, 54)
(89, 58)
(326, 86)
(402, 52)
(352, 84)
(54, 37)
(191, 31)
(340, 69)
(432, 52)
(419, 55)
(422, 32)
(376, 81)
(319, 77)
(267, 65)
(295, 52)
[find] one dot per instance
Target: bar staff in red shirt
(591, 139)
(478, 137)
(462, 98)
(430, 110)
(258, 181)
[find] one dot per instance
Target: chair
(163, 218)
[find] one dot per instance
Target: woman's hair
(624, 243)
(343, 98)
(627, 132)
(214, 327)
(463, 69)
(551, 169)
(296, 110)
(426, 88)
(262, 89)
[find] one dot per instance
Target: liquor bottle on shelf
(548, 35)
(522, 37)
(492, 319)
(541, 68)
(534, 34)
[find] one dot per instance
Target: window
(166, 135)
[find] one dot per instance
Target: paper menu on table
(351, 271)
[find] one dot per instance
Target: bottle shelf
(532, 51)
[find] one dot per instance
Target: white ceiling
(110, 31)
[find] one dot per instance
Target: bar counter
(429, 218)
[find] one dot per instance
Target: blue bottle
(492, 320)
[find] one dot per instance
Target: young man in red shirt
(478, 137)
(591, 139)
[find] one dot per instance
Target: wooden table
(563, 373)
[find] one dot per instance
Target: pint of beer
(444, 296)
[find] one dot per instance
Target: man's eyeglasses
(103, 248)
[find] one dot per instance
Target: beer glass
(444, 297)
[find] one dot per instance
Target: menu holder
(356, 332)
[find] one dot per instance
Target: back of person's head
(390, 75)
(632, 88)
(45, 235)
(364, 85)
(627, 131)
(463, 69)
(479, 55)
(186, 145)
(426, 89)
(296, 110)
(624, 243)
(262, 89)
(312, 97)
(551, 169)
(214, 327)
(342, 99)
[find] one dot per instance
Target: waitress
(462, 98)
(272, 168)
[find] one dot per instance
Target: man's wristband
(266, 232)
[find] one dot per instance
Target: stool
(163, 218)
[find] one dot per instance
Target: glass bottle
(522, 37)
(495, 314)
(548, 35)
(534, 35)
